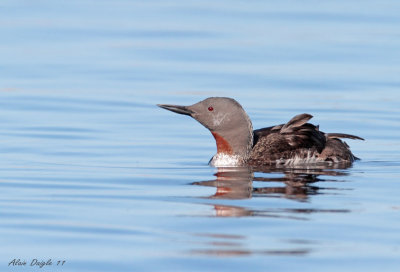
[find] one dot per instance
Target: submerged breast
(220, 160)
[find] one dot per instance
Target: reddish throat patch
(222, 145)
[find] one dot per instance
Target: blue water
(94, 174)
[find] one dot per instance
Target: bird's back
(299, 142)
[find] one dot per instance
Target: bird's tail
(342, 135)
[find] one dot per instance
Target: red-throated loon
(296, 142)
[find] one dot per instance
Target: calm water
(95, 174)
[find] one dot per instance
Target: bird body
(293, 143)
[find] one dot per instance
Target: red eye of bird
(210, 108)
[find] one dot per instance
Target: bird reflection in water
(294, 183)
(240, 183)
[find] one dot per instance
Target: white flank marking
(298, 160)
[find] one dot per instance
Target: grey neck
(241, 140)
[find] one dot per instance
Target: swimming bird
(296, 142)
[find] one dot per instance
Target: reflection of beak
(178, 109)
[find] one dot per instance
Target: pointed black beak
(178, 109)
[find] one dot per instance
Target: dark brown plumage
(299, 140)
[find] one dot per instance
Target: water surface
(95, 174)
